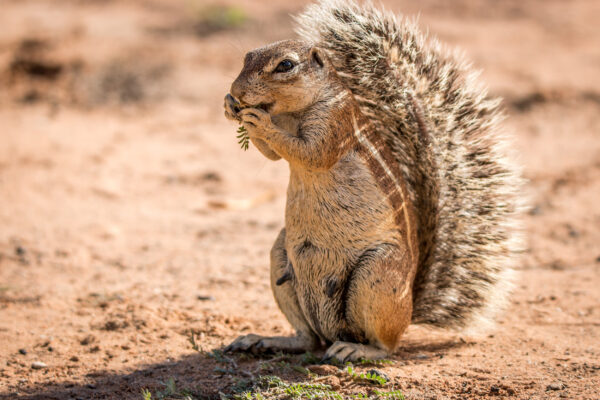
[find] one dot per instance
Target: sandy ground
(130, 220)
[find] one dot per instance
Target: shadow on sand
(201, 375)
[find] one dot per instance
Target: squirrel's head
(282, 77)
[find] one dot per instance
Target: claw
(288, 275)
(345, 351)
(284, 278)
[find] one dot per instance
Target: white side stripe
(362, 139)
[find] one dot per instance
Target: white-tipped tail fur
(444, 132)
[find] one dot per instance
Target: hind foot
(346, 351)
(265, 344)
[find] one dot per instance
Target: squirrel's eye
(284, 66)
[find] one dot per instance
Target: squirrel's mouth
(263, 106)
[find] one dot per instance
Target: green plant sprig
(243, 138)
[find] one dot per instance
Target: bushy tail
(444, 133)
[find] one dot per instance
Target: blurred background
(134, 231)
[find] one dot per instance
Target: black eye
(284, 66)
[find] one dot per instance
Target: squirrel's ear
(317, 58)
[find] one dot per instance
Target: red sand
(124, 197)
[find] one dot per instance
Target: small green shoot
(192, 340)
(169, 392)
(366, 361)
(302, 370)
(310, 358)
(218, 356)
(393, 395)
(311, 391)
(272, 387)
(243, 138)
(170, 388)
(369, 376)
(271, 381)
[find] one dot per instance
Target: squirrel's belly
(331, 219)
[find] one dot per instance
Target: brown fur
(356, 256)
(350, 236)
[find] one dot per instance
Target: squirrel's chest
(341, 208)
(331, 219)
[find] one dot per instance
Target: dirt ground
(133, 226)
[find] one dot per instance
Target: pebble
(379, 373)
(334, 382)
(38, 365)
(20, 251)
(555, 386)
(322, 369)
(87, 340)
(205, 298)
(537, 210)
(23, 351)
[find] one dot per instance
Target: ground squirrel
(402, 203)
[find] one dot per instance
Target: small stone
(334, 382)
(87, 340)
(114, 325)
(211, 176)
(537, 210)
(555, 386)
(573, 232)
(378, 373)
(91, 386)
(598, 259)
(20, 251)
(558, 265)
(38, 365)
(205, 298)
(494, 389)
(23, 351)
(74, 358)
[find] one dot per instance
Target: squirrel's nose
(237, 91)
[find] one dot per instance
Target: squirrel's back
(443, 131)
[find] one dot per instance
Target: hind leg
(287, 301)
(379, 303)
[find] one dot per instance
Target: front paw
(345, 351)
(250, 343)
(257, 122)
